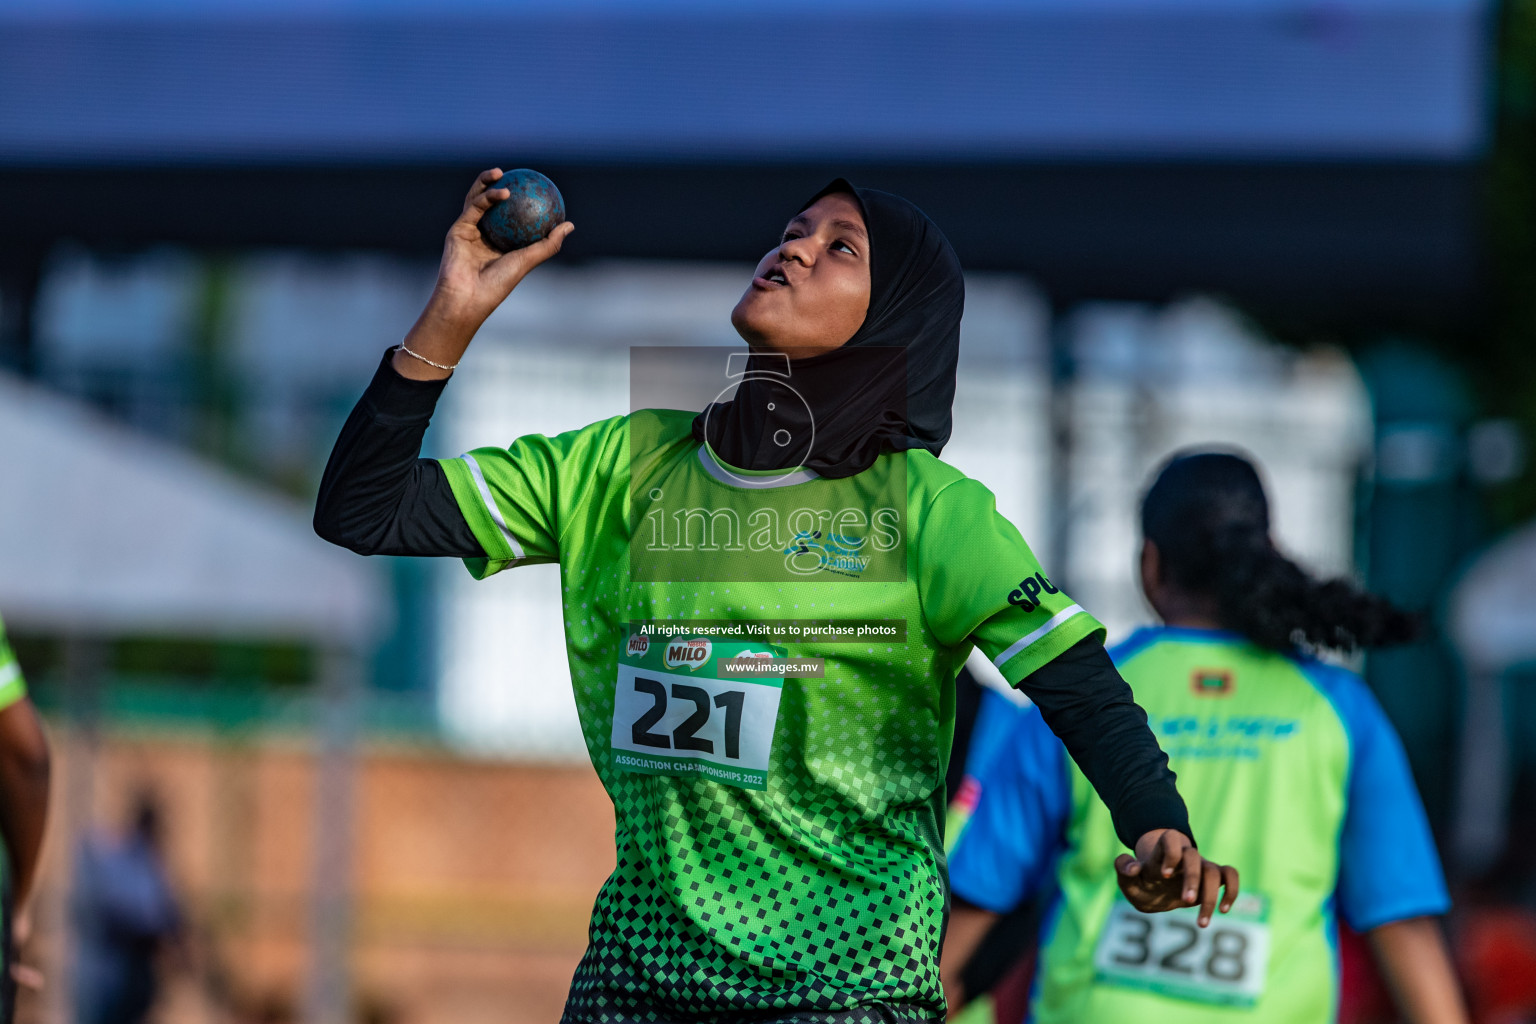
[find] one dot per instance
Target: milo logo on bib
(673, 715)
(688, 653)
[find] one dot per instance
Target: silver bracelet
(401, 348)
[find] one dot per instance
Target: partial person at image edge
(24, 785)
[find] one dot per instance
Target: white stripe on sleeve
(490, 504)
(1052, 623)
(9, 674)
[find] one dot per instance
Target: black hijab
(892, 386)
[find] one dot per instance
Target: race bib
(1168, 953)
(674, 715)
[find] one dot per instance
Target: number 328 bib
(674, 715)
(1169, 953)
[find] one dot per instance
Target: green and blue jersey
(1292, 773)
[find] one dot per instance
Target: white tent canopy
(105, 531)
(1493, 622)
(1493, 609)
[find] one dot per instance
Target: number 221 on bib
(673, 715)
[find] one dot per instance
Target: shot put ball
(527, 215)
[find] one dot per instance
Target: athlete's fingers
(551, 243)
(480, 205)
(483, 181)
(530, 256)
(1193, 864)
(21, 927)
(490, 197)
(27, 976)
(1210, 891)
(1230, 884)
(477, 207)
(511, 268)
(1127, 865)
(1173, 851)
(481, 196)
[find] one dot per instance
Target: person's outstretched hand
(1167, 872)
(472, 280)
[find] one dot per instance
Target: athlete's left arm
(980, 584)
(1391, 886)
(1086, 702)
(1417, 968)
(968, 925)
(24, 780)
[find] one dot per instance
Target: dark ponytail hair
(1209, 518)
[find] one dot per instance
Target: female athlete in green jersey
(778, 833)
(1291, 768)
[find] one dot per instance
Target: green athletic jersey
(779, 840)
(12, 687)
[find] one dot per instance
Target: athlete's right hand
(472, 280)
(473, 277)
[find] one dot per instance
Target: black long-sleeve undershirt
(1089, 706)
(378, 497)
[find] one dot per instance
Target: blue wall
(409, 81)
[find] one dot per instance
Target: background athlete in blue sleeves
(1290, 769)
